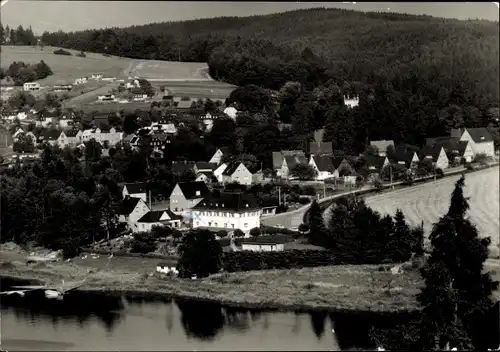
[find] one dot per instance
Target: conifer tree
(457, 293)
(316, 225)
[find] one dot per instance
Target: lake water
(83, 322)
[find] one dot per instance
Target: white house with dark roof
(131, 210)
(323, 164)
(186, 195)
(219, 154)
(229, 211)
(237, 172)
(480, 139)
(278, 158)
(436, 154)
(158, 218)
(203, 166)
(290, 162)
(135, 190)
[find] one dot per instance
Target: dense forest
(17, 36)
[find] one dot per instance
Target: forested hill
(314, 45)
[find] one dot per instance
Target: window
(245, 224)
(232, 226)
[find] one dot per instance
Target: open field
(67, 68)
(429, 201)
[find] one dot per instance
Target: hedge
(128, 254)
(297, 258)
(248, 260)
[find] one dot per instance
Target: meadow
(67, 68)
(429, 201)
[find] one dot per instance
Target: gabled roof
(433, 140)
(135, 188)
(204, 165)
(374, 160)
(190, 189)
(404, 147)
(453, 147)
(294, 160)
(128, 205)
(480, 135)
(337, 160)
(156, 215)
(430, 151)
(324, 163)
(382, 145)
(51, 135)
(279, 156)
(405, 157)
(320, 148)
(229, 202)
(71, 133)
(265, 240)
(231, 168)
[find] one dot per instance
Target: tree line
(21, 72)
(17, 36)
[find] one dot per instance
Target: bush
(238, 233)
(378, 185)
(222, 233)
(439, 173)
(62, 52)
(143, 242)
(81, 54)
(248, 260)
(255, 232)
(304, 200)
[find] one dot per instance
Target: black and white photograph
(249, 176)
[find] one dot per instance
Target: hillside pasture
(429, 201)
(198, 89)
(65, 68)
(168, 70)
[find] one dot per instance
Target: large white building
(31, 86)
(229, 211)
(111, 136)
(480, 139)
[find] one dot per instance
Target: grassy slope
(350, 287)
(68, 68)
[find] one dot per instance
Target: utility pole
(324, 189)
(390, 170)
(279, 196)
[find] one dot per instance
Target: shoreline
(270, 296)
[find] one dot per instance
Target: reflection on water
(84, 321)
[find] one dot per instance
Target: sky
(47, 15)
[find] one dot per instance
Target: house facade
(436, 155)
(131, 210)
(263, 244)
(278, 158)
(219, 153)
(158, 218)
(135, 190)
(228, 211)
(69, 138)
(110, 137)
(186, 195)
(31, 86)
(290, 162)
(480, 139)
(237, 172)
(323, 166)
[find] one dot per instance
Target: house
(218, 172)
(409, 159)
(278, 158)
(206, 177)
(266, 211)
(237, 172)
(382, 146)
(185, 104)
(107, 97)
(179, 167)
(203, 166)
(219, 154)
(351, 101)
(320, 148)
(375, 164)
(228, 211)
(264, 243)
(343, 170)
(96, 76)
(158, 218)
(69, 138)
(457, 151)
(109, 136)
(480, 139)
(290, 162)
(436, 154)
(17, 134)
(163, 126)
(135, 190)
(31, 86)
(159, 141)
(50, 136)
(131, 210)
(323, 165)
(81, 80)
(186, 195)
(66, 123)
(231, 112)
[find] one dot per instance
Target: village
(211, 201)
